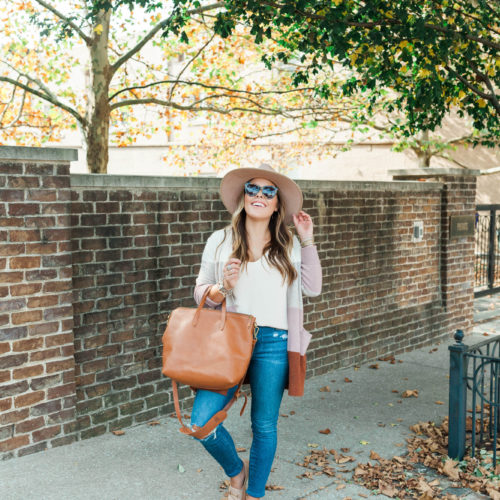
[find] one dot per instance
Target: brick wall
(135, 251)
(37, 376)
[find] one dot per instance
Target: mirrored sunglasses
(254, 189)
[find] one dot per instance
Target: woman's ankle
(238, 480)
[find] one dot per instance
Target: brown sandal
(240, 494)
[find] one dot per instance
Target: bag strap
(202, 303)
(220, 416)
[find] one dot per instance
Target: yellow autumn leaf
(98, 29)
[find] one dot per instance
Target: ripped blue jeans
(268, 374)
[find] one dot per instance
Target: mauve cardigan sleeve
(310, 270)
(206, 276)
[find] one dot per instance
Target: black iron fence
(487, 250)
(474, 373)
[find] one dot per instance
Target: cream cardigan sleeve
(207, 274)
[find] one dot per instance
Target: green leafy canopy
(436, 55)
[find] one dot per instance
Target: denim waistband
(271, 332)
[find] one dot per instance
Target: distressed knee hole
(209, 437)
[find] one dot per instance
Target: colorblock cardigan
(306, 262)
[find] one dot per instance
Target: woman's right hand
(231, 275)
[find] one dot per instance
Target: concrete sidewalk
(157, 462)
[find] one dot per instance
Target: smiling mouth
(258, 204)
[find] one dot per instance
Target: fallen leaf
(292, 413)
(395, 391)
(326, 388)
(199, 470)
(240, 449)
(374, 366)
(387, 489)
(274, 487)
(387, 358)
(364, 442)
(224, 485)
(283, 415)
(439, 402)
(312, 445)
(410, 393)
(425, 488)
(374, 455)
(493, 493)
(340, 486)
(425, 496)
(345, 450)
(325, 431)
(359, 471)
(347, 380)
(451, 470)
(181, 469)
(154, 422)
(118, 433)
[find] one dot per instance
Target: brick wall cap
(148, 181)
(433, 172)
(37, 154)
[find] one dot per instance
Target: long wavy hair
(279, 246)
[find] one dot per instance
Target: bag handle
(219, 417)
(202, 303)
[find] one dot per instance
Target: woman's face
(258, 206)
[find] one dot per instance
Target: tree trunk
(98, 110)
(424, 156)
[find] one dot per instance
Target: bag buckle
(255, 331)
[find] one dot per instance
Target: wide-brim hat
(233, 182)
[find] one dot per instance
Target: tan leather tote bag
(207, 349)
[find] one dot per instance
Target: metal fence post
(491, 253)
(458, 398)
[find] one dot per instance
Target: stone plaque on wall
(461, 226)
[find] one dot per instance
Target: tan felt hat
(233, 183)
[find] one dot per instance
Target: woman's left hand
(303, 225)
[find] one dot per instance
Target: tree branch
(45, 97)
(474, 89)
(8, 104)
(171, 93)
(161, 102)
(452, 160)
(67, 21)
(155, 30)
(211, 87)
(492, 97)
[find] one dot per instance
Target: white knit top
(261, 291)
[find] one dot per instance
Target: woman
(261, 269)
